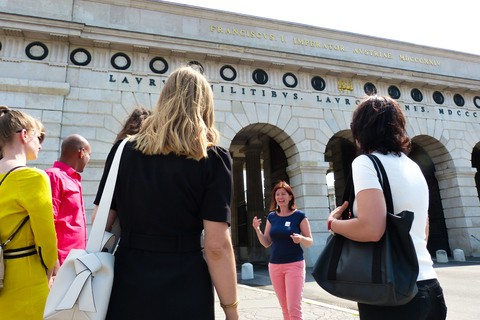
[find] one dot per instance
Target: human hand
(256, 222)
(50, 282)
(337, 213)
(296, 238)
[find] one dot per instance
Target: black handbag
(382, 273)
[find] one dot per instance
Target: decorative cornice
(58, 37)
(178, 53)
(101, 44)
(13, 32)
(276, 65)
(142, 49)
(33, 86)
(247, 62)
(213, 57)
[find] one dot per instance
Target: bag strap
(94, 243)
(16, 231)
(9, 171)
(349, 195)
(383, 178)
(24, 220)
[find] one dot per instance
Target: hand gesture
(256, 222)
(296, 238)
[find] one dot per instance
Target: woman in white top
(378, 126)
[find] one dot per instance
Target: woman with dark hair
(379, 128)
(134, 122)
(286, 228)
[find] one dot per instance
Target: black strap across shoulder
(9, 171)
(24, 220)
(383, 178)
(349, 195)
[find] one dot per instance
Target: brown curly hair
(378, 124)
(134, 122)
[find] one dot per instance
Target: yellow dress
(26, 192)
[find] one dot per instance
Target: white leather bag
(82, 287)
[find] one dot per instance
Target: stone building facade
(284, 96)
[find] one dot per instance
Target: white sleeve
(364, 174)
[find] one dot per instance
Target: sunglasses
(40, 136)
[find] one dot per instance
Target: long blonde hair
(183, 119)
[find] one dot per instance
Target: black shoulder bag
(382, 273)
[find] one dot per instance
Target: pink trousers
(288, 280)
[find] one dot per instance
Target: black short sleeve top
(170, 194)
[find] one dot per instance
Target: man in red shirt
(68, 205)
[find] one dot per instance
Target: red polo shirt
(68, 208)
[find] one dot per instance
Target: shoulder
(362, 164)
(54, 172)
(31, 174)
(219, 155)
(301, 213)
(217, 151)
(362, 160)
(271, 215)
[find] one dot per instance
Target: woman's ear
(24, 136)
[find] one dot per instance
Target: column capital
(252, 148)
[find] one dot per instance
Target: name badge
(287, 223)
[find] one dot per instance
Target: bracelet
(233, 305)
(329, 226)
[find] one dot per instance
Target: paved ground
(460, 281)
(262, 304)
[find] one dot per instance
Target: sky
(451, 25)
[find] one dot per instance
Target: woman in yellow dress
(32, 253)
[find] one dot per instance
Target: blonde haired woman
(174, 182)
(24, 198)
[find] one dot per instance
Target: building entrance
(259, 162)
(438, 236)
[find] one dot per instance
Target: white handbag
(82, 286)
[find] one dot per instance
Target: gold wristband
(233, 305)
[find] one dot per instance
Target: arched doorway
(476, 164)
(339, 153)
(259, 162)
(438, 235)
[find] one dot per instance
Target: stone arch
(261, 155)
(431, 156)
(339, 154)
(450, 144)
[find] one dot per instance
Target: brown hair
(183, 119)
(134, 122)
(13, 120)
(378, 124)
(282, 185)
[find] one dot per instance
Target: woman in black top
(173, 182)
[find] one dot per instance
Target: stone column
(255, 206)
(309, 184)
(461, 208)
(238, 202)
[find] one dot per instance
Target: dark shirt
(167, 194)
(284, 250)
